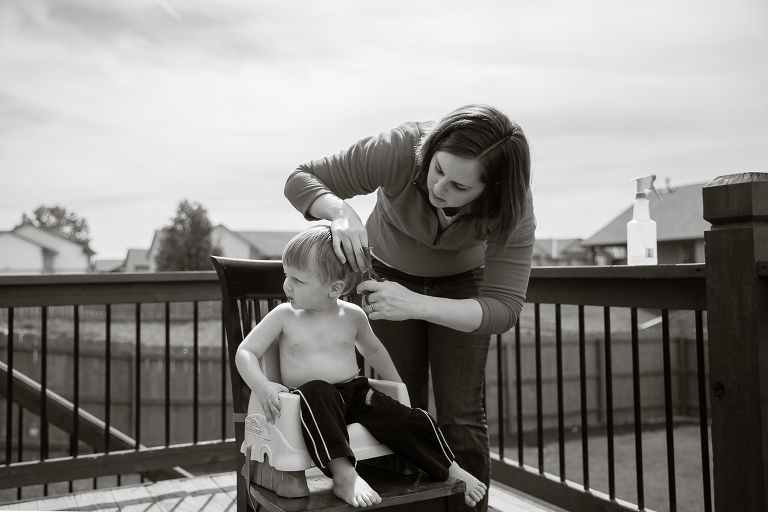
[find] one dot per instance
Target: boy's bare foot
(475, 488)
(348, 486)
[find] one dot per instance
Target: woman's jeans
(457, 363)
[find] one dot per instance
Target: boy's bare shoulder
(282, 311)
(353, 310)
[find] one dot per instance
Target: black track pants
(327, 409)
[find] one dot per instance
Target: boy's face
(305, 289)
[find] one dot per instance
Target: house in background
(28, 249)
(105, 266)
(559, 252)
(251, 245)
(680, 229)
(135, 261)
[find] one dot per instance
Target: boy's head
(312, 251)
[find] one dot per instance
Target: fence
(212, 417)
(683, 369)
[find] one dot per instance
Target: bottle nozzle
(644, 184)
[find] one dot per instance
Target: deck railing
(604, 290)
(82, 405)
(731, 290)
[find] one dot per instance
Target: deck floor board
(211, 493)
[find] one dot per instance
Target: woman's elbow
(499, 318)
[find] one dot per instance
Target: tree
(186, 244)
(60, 219)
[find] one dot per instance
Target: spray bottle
(641, 230)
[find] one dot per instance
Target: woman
(452, 233)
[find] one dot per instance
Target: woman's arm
(392, 301)
(500, 299)
(318, 189)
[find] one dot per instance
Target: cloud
(120, 110)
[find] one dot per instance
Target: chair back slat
(244, 283)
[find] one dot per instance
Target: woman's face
(453, 181)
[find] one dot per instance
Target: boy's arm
(247, 361)
(373, 350)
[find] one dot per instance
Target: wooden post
(737, 321)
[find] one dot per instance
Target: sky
(118, 111)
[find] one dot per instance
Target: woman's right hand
(349, 239)
(348, 231)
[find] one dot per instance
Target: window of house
(47, 262)
(687, 252)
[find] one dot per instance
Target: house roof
(55, 232)
(268, 243)
(107, 265)
(30, 240)
(678, 217)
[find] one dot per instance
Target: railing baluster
(108, 377)
(167, 374)
(539, 409)
(668, 410)
(500, 393)
(75, 437)
(20, 447)
(223, 375)
(583, 392)
(560, 406)
(195, 375)
(519, 396)
(636, 399)
(609, 403)
(9, 394)
(43, 390)
(703, 422)
(137, 377)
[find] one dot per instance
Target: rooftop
(678, 217)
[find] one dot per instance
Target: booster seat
(277, 450)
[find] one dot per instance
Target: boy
(318, 334)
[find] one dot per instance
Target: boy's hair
(312, 250)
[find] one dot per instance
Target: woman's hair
(312, 251)
(486, 135)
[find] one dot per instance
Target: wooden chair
(249, 289)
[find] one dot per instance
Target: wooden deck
(211, 493)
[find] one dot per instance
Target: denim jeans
(457, 363)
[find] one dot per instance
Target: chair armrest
(396, 390)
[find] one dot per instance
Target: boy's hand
(270, 400)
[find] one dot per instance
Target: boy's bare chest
(328, 335)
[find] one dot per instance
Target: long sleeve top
(404, 230)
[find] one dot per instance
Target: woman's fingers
(337, 248)
(349, 251)
(349, 239)
(369, 286)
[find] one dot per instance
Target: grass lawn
(688, 478)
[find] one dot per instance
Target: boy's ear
(337, 287)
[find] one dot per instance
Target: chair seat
(283, 444)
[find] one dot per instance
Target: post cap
(736, 198)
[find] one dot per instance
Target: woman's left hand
(389, 301)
